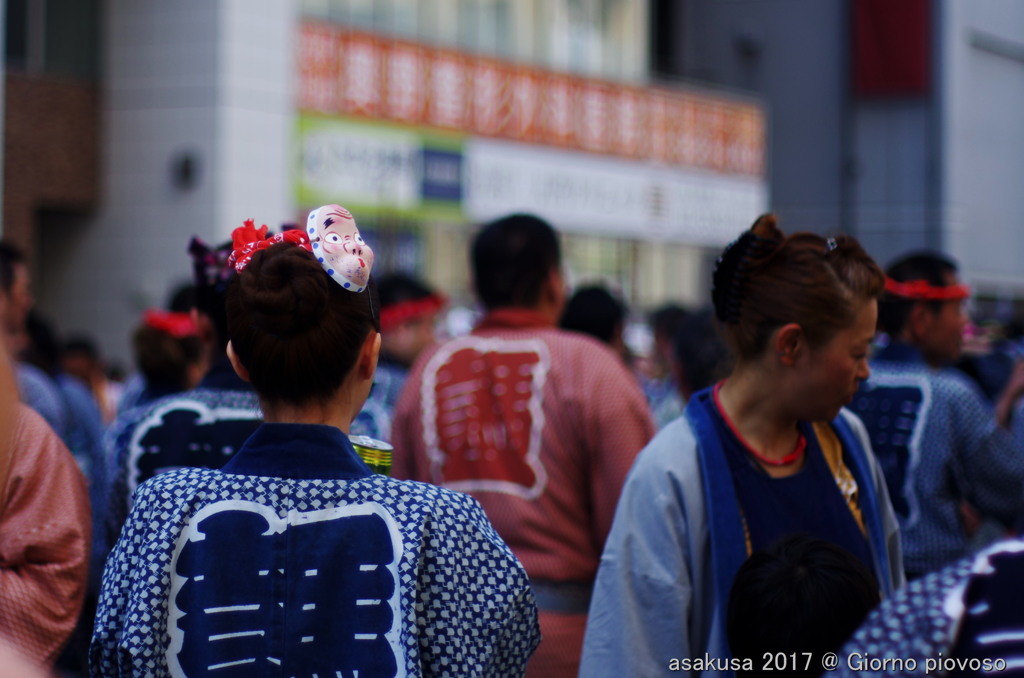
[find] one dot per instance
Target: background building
(424, 117)
(895, 121)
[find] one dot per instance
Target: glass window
(16, 40)
(405, 17)
(316, 9)
(495, 28)
(71, 41)
(596, 38)
(383, 16)
(60, 37)
(361, 13)
(469, 26)
(442, 26)
(584, 37)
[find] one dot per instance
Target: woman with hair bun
(295, 559)
(768, 452)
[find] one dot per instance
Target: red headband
(248, 240)
(395, 314)
(925, 291)
(178, 325)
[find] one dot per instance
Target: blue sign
(442, 175)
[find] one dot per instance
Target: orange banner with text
(347, 72)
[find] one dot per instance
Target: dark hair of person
(183, 299)
(211, 276)
(9, 256)
(163, 358)
(699, 349)
(296, 330)
(934, 268)
(81, 345)
(595, 311)
(212, 304)
(665, 319)
(43, 348)
(765, 279)
(398, 287)
(512, 258)
(802, 594)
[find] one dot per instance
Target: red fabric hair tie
(925, 291)
(178, 325)
(395, 314)
(247, 240)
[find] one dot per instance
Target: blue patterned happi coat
(203, 428)
(963, 620)
(938, 443)
(296, 560)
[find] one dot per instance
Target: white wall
(209, 79)
(256, 112)
(984, 138)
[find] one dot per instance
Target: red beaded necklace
(792, 457)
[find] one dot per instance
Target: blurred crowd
(679, 489)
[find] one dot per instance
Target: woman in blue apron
(296, 558)
(766, 453)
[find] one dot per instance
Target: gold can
(375, 453)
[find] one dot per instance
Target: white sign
(569, 189)
(361, 164)
(596, 195)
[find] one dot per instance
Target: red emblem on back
(482, 415)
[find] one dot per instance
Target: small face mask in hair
(338, 246)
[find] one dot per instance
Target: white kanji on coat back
(334, 569)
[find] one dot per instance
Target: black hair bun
(285, 290)
(736, 261)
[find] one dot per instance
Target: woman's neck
(336, 412)
(751, 400)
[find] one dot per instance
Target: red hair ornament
(178, 325)
(248, 240)
(331, 236)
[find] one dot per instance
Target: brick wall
(51, 151)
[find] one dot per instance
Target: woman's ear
(237, 364)
(368, 356)
(789, 343)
